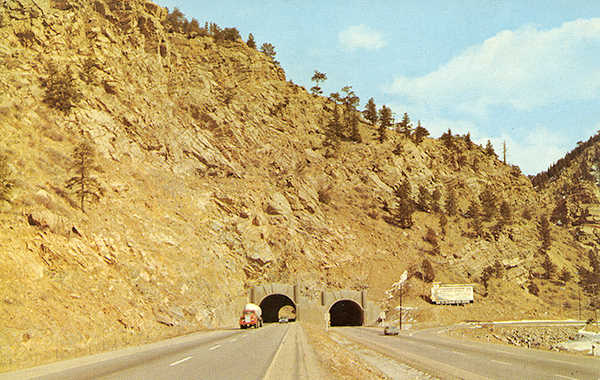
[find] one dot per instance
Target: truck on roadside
(451, 294)
(251, 316)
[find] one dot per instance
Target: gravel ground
(350, 361)
(540, 337)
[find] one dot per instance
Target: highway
(215, 355)
(448, 358)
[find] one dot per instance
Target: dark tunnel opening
(346, 313)
(271, 305)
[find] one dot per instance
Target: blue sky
(522, 72)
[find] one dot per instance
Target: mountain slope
(216, 177)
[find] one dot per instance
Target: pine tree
(420, 133)
(486, 275)
(354, 131)
(451, 202)
(62, 92)
(544, 232)
(589, 279)
(428, 272)
(549, 267)
(333, 131)
(435, 200)
(489, 149)
(488, 203)
(402, 216)
(318, 77)
(370, 112)
(448, 139)
(565, 276)
(468, 140)
(443, 223)
(6, 183)
(269, 50)
(85, 186)
(385, 122)
(505, 213)
(251, 42)
(404, 126)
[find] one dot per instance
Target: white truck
(251, 316)
(451, 294)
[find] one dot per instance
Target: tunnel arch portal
(272, 304)
(346, 313)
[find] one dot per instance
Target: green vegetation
(251, 43)
(404, 126)
(176, 22)
(88, 74)
(6, 183)
(349, 121)
(62, 91)
(544, 233)
(86, 187)
(589, 279)
(370, 112)
(318, 77)
(401, 216)
(269, 51)
(386, 120)
(451, 202)
(419, 133)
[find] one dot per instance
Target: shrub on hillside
(6, 182)
(62, 91)
(533, 289)
(86, 187)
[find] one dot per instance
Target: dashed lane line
(565, 377)
(180, 361)
(499, 362)
(233, 340)
(214, 347)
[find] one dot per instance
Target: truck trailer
(251, 316)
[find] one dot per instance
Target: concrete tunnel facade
(339, 308)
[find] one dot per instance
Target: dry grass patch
(340, 362)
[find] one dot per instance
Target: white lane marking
(426, 345)
(215, 347)
(233, 340)
(243, 336)
(180, 361)
(458, 353)
(565, 377)
(499, 362)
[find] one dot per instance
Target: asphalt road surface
(449, 358)
(216, 355)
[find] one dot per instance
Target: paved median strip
(180, 361)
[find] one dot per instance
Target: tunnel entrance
(273, 304)
(346, 313)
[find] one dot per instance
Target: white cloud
(360, 36)
(523, 69)
(533, 154)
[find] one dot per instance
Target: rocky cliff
(215, 177)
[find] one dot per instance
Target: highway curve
(448, 358)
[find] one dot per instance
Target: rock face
(215, 178)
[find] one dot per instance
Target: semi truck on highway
(251, 316)
(454, 294)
